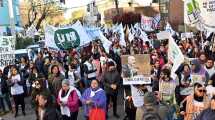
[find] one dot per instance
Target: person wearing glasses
(208, 114)
(194, 104)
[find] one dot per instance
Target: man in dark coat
(111, 80)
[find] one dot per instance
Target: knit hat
(150, 98)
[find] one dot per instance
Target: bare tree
(39, 10)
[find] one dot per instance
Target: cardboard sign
(139, 73)
(7, 51)
(196, 79)
(137, 96)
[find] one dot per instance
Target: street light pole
(11, 16)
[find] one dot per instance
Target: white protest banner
(162, 35)
(49, 37)
(95, 33)
(119, 30)
(31, 31)
(200, 14)
(84, 37)
(187, 35)
(174, 55)
(143, 36)
(207, 14)
(7, 51)
(169, 29)
(137, 80)
(137, 96)
(191, 12)
(66, 37)
(147, 23)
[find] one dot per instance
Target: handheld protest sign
(136, 69)
(7, 51)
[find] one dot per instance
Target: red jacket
(73, 101)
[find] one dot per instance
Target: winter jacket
(73, 101)
(99, 100)
(56, 83)
(4, 85)
(39, 65)
(109, 78)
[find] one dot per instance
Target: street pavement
(30, 114)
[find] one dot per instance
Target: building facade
(5, 18)
(176, 14)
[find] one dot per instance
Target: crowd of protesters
(61, 82)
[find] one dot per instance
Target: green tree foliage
(22, 43)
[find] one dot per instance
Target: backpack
(150, 114)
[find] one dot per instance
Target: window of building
(1, 3)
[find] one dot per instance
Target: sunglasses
(202, 91)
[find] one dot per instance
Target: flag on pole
(174, 55)
(169, 29)
(156, 21)
(120, 31)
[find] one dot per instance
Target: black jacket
(52, 114)
(111, 77)
(4, 85)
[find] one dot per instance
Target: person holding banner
(198, 73)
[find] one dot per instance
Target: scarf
(93, 92)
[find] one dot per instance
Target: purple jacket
(99, 100)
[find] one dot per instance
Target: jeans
(5, 97)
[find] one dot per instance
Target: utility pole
(117, 6)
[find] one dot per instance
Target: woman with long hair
(17, 90)
(56, 79)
